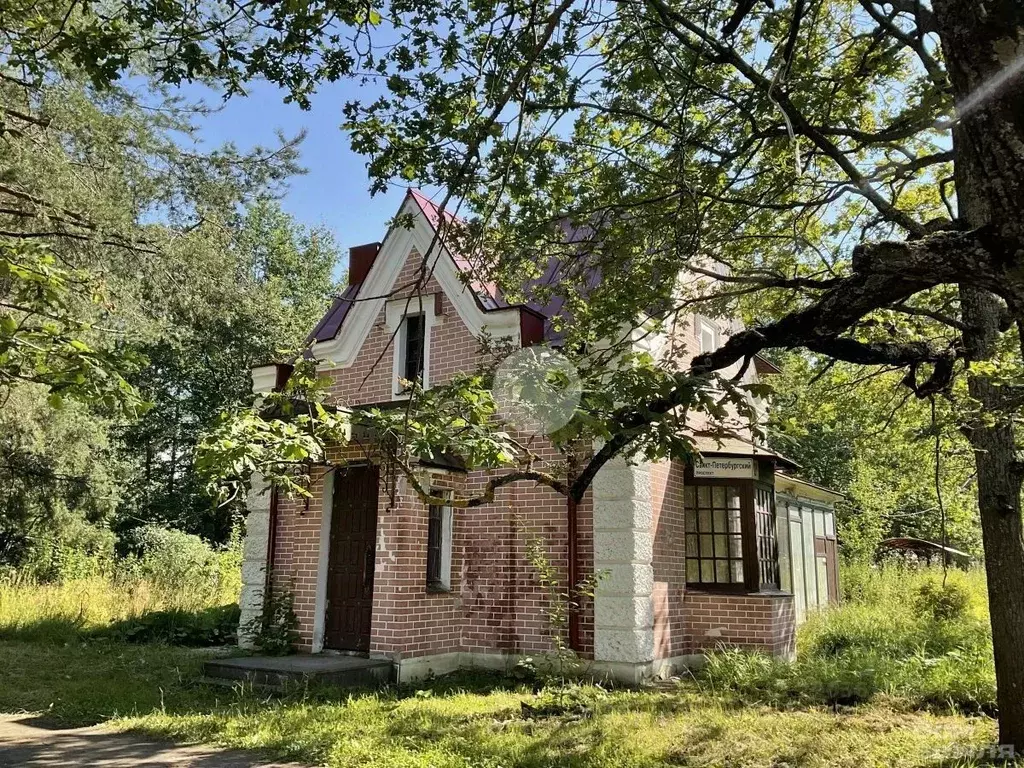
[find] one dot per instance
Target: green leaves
(43, 341)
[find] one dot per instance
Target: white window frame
(447, 529)
(395, 313)
(706, 326)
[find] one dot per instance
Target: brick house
(692, 558)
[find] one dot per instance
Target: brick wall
(495, 603)
(751, 622)
(669, 559)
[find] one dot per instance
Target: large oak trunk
(983, 42)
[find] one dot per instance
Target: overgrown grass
(739, 714)
(176, 591)
(899, 636)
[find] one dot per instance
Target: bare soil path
(30, 742)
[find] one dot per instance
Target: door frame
(324, 562)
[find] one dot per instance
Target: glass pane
(704, 520)
(705, 546)
(722, 571)
(720, 522)
(819, 523)
(737, 571)
(718, 495)
(703, 496)
(830, 524)
(692, 571)
(735, 546)
(721, 545)
(689, 499)
(734, 521)
(707, 571)
(691, 520)
(691, 546)
(733, 494)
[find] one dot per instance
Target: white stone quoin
(623, 551)
(254, 556)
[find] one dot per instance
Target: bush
(193, 629)
(181, 568)
(943, 602)
(899, 634)
(276, 630)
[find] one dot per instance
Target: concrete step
(341, 671)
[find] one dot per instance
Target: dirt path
(26, 740)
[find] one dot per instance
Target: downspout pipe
(573, 557)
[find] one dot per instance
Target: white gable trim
(342, 350)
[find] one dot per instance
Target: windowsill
(714, 589)
(438, 589)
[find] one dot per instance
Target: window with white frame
(439, 545)
(413, 345)
(707, 334)
(410, 323)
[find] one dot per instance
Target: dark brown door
(353, 554)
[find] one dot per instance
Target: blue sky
(334, 191)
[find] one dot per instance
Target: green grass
(900, 636)
(479, 720)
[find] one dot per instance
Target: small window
(708, 335)
(439, 546)
(413, 338)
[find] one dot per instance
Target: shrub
(943, 602)
(899, 634)
(181, 568)
(194, 629)
(275, 630)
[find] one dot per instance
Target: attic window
(413, 338)
(707, 333)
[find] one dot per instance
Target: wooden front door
(352, 558)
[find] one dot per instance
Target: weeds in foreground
(900, 635)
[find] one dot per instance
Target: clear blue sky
(334, 190)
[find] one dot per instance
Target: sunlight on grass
(625, 729)
(909, 678)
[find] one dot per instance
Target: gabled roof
(487, 295)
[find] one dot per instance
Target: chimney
(360, 259)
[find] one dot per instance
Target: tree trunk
(983, 44)
(989, 189)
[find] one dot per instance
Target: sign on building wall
(720, 466)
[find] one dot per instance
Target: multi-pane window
(731, 534)
(707, 335)
(414, 336)
(714, 534)
(767, 541)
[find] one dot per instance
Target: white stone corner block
(254, 572)
(628, 546)
(624, 612)
(623, 514)
(634, 645)
(626, 580)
